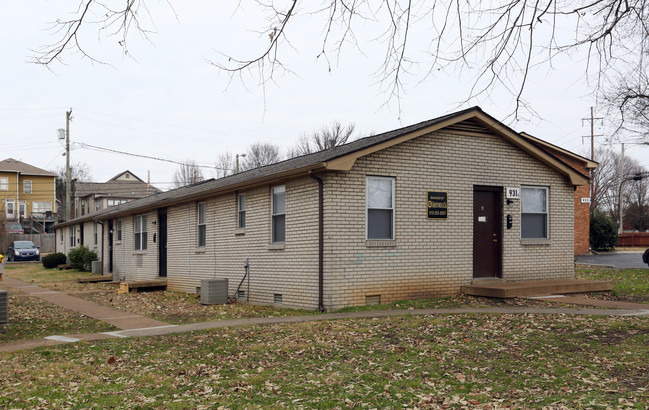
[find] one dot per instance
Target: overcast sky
(166, 101)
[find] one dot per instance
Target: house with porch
(27, 195)
(415, 212)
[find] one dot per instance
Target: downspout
(102, 245)
(320, 241)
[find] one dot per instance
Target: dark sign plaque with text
(437, 205)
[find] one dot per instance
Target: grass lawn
(629, 284)
(518, 361)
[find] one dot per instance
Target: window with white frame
(278, 213)
(242, 210)
(140, 232)
(27, 186)
(41, 207)
(202, 226)
(73, 236)
(83, 207)
(380, 207)
(4, 184)
(95, 233)
(118, 228)
(113, 202)
(10, 207)
(534, 212)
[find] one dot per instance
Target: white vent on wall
(241, 295)
(277, 298)
(214, 291)
(4, 307)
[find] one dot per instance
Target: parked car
(23, 251)
(13, 227)
(645, 256)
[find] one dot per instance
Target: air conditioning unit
(4, 307)
(214, 291)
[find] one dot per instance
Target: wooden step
(504, 289)
(136, 286)
(62, 267)
(95, 279)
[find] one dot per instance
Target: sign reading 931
(437, 205)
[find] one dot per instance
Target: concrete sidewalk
(117, 318)
(134, 325)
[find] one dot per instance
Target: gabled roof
(117, 189)
(588, 163)
(130, 174)
(13, 165)
(342, 158)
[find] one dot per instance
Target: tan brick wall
(129, 264)
(291, 271)
(434, 257)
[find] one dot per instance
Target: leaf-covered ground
(489, 361)
(629, 284)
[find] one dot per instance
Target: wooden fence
(633, 239)
(46, 241)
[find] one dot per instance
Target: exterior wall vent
(4, 307)
(241, 295)
(214, 291)
(277, 298)
(373, 299)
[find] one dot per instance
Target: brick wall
(434, 257)
(582, 221)
(427, 258)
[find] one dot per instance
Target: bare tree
(499, 43)
(327, 137)
(260, 154)
(225, 165)
(79, 172)
(187, 174)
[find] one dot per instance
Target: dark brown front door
(487, 232)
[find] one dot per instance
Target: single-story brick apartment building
(411, 213)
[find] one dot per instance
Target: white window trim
(547, 213)
(13, 208)
(4, 183)
(367, 208)
(273, 214)
(240, 211)
(199, 224)
(27, 182)
(140, 222)
(118, 231)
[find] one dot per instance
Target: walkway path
(134, 325)
(117, 318)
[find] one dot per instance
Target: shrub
(81, 258)
(53, 260)
(603, 231)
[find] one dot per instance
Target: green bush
(81, 258)
(53, 260)
(603, 231)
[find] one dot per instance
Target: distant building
(91, 197)
(27, 195)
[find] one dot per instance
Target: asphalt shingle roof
(13, 165)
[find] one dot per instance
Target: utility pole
(621, 210)
(592, 143)
(68, 177)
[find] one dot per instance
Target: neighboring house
(27, 195)
(411, 213)
(92, 197)
(582, 193)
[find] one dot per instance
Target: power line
(114, 151)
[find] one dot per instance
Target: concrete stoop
(498, 288)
